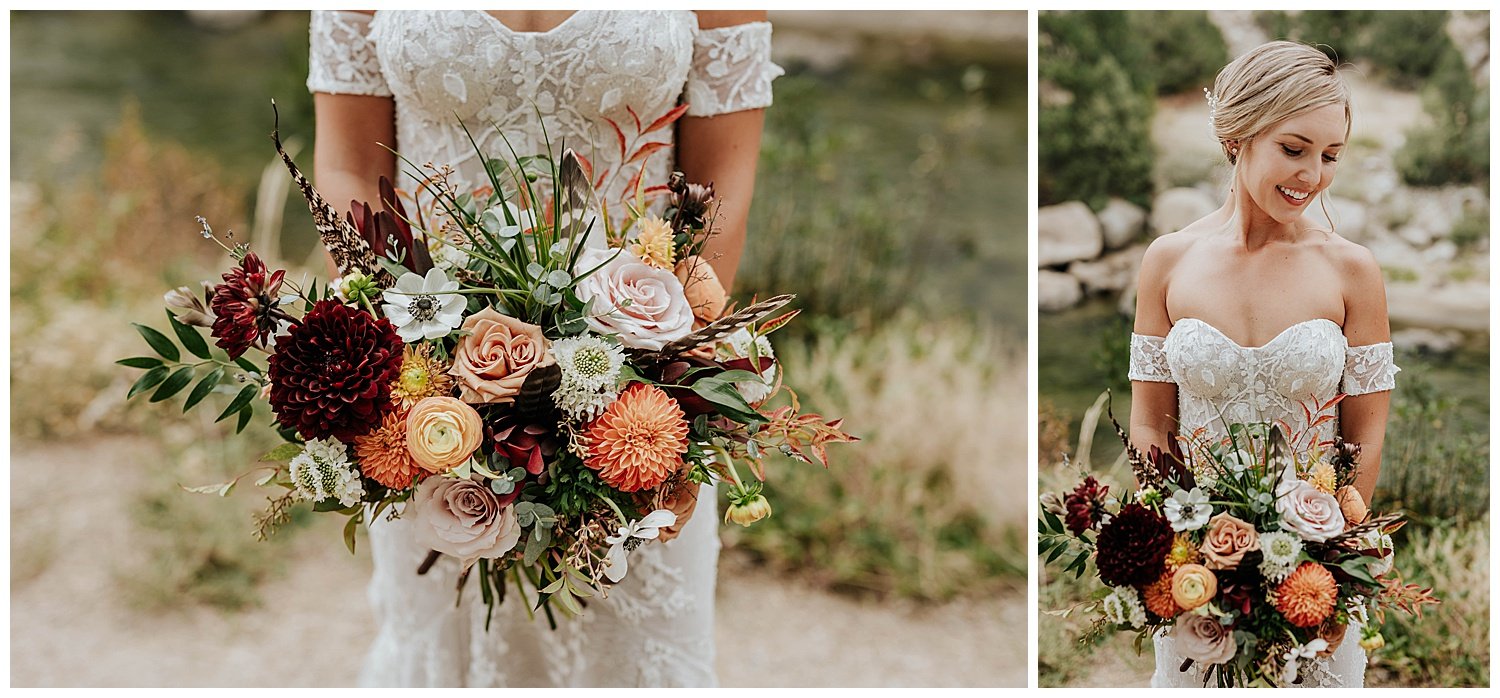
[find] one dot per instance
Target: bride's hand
(682, 502)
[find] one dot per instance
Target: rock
(1111, 273)
(1174, 209)
(1126, 306)
(1067, 232)
(1441, 251)
(1421, 339)
(1463, 306)
(1394, 252)
(1349, 218)
(1415, 235)
(222, 20)
(1123, 223)
(1056, 291)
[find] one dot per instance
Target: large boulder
(1056, 291)
(1067, 232)
(1174, 209)
(1112, 273)
(1122, 222)
(1349, 218)
(1427, 341)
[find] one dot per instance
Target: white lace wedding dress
(1220, 382)
(657, 627)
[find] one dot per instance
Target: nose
(1309, 175)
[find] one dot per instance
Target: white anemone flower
(1295, 655)
(1188, 510)
(629, 537)
(424, 307)
(737, 346)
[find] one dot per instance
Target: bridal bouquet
(1251, 554)
(540, 389)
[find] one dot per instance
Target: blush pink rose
(1227, 541)
(1312, 514)
(643, 305)
(494, 359)
(463, 518)
(1203, 639)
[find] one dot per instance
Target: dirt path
(71, 625)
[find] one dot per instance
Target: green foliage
(1433, 465)
(1449, 645)
(1472, 227)
(1186, 50)
(1455, 148)
(1403, 46)
(1095, 118)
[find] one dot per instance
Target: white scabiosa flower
(322, 471)
(590, 375)
(424, 307)
(1382, 541)
(1188, 510)
(1279, 551)
(737, 346)
(1123, 607)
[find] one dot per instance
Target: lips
(1295, 197)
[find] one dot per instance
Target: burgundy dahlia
(331, 374)
(1085, 505)
(245, 306)
(1133, 547)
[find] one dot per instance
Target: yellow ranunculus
(1193, 586)
(442, 432)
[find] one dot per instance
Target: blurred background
(891, 199)
(1126, 154)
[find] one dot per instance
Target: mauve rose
(492, 362)
(643, 305)
(464, 519)
(1203, 639)
(1227, 542)
(1306, 511)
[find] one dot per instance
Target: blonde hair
(1269, 83)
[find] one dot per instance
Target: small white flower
(424, 307)
(620, 544)
(1295, 655)
(588, 362)
(737, 346)
(1377, 539)
(1123, 607)
(1238, 461)
(322, 471)
(1188, 510)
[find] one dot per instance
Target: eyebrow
(1308, 141)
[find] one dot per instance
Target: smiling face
(1286, 166)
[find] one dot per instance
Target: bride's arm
(1362, 417)
(1153, 404)
(724, 149)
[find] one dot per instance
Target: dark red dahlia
(245, 306)
(1085, 505)
(1133, 547)
(331, 374)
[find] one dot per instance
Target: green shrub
(1095, 136)
(1449, 645)
(1455, 148)
(1405, 47)
(1186, 49)
(1433, 465)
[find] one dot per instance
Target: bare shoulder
(713, 19)
(1353, 261)
(1164, 252)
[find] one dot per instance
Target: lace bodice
(1220, 382)
(444, 66)
(657, 627)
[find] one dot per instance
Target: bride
(1254, 309)
(404, 79)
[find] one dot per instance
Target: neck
(1250, 224)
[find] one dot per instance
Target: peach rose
(492, 361)
(1352, 504)
(1193, 586)
(442, 432)
(1203, 639)
(1311, 514)
(642, 305)
(700, 283)
(1227, 542)
(463, 518)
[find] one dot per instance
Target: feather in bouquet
(542, 390)
(1251, 554)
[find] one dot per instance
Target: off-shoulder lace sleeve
(1370, 369)
(342, 57)
(732, 69)
(1148, 361)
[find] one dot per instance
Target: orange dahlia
(1308, 596)
(1158, 595)
(639, 440)
(383, 456)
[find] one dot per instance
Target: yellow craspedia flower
(422, 375)
(653, 242)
